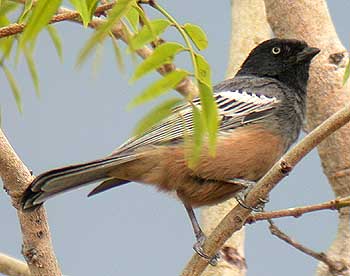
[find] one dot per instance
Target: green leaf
(156, 115)
(160, 56)
(133, 17)
(209, 108)
(146, 34)
(82, 8)
(203, 73)
(198, 135)
(197, 35)
(41, 15)
(55, 40)
(27, 8)
(210, 113)
(159, 87)
(346, 73)
(128, 36)
(143, 17)
(32, 69)
(6, 43)
(91, 6)
(6, 7)
(14, 88)
(118, 53)
(119, 10)
(96, 63)
(4, 21)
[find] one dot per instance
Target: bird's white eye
(276, 50)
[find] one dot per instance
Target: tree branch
(335, 267)
(335, 204)
(186, 87)
(13, 267)
(236, 218)
(37, 247)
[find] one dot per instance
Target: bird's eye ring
(276, 50)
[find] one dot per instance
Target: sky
(134, 230)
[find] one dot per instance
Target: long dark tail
(64, 179)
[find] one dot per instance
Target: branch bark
(13, 267)
(37, 247)
(310, 20)
(245, 35)
(236, 218)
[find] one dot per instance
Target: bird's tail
(67, 178)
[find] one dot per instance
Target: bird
(261, 111)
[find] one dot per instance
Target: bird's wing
(236, 108)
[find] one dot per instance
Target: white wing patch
(235, 103)
(233, 107)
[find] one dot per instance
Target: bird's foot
(198, 248)
(240, 197)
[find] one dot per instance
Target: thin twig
(299, 211)
(236, 218)
(13, 267)
(335, 267)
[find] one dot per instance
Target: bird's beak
(307, 54)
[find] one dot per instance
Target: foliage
(139, 31)
(36, 20)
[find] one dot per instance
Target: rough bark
(245, 35)
(37, 247)
(310, 20)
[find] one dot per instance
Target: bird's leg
(200, 237)
(240, 196)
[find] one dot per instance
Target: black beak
(307, 54)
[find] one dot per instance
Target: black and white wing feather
(236, 108)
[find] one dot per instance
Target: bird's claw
(240, 197)
(259, 208)
(197, 247)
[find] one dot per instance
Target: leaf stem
(181, 31)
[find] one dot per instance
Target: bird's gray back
(288, 116)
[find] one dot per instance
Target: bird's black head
(287, 60)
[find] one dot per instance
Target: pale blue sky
(134, 230)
